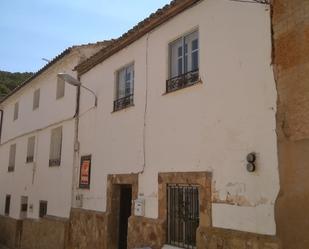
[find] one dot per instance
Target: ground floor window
(182, 215)
(43, 209)
(7, 204)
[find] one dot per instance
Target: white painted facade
(207, 127)
(37, 180)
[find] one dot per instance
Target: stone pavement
(3, 247)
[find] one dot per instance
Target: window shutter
(60, 88)
(12, 157)
(55, 147)
(30, 149)
(36, 99)
(16, 109)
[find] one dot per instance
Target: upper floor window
(183, 62)
(16, 110)
(30, 149)
(36, 99)
(60, 88)
(12, 157)
(55, 147)
(124, 88)
(7, 204)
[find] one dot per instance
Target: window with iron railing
(184, 62)
(182, 215)
(124, 96)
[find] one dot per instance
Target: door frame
(114, 183)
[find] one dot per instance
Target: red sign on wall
(85, 169)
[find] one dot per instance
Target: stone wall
(45, 233)
(291, 66)
(10, 232)
(86, 230)
(216, 238)
(145, 232)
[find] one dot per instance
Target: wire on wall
(253, 1)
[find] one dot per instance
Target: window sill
(196, 83)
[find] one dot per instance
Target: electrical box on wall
(139, 207)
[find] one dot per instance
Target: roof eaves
(154, 20)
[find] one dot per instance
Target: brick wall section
(10, 232)
(291, 66)
(87, 230)
(46, 233)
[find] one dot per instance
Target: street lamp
(74, 82)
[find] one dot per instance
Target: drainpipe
(1, 122)
(76, 149)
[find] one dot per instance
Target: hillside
(8, 81)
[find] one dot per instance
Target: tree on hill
(9, 81)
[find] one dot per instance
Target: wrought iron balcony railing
(182, 81)
(54, 162)
(29, 159)
(124, 102)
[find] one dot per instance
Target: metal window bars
(182, 215)
(182, 81)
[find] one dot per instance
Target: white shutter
(16, 110)
(12, 157)
(176, 58)
(60, 88)
(36, 99)
(55, 147)
(30, 149)
(192, 44)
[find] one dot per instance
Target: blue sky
(35, 29)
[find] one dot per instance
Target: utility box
(139, 207)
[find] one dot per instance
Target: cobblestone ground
(3, 247)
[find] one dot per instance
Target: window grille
(12, 157)
(7, 205)
(43, 209)
(30, 150)
(182, 215)
(124, 88)
(36, 99)
(55, 147)
(23, 207)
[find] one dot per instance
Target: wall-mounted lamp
(74, 82)
(251, 159)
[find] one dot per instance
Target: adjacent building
(37, 144)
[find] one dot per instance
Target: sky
(34, 29)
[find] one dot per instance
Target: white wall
(37, 180)
(207, 127)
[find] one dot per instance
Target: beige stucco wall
(208, 127)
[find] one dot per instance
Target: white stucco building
(182, 141)
(42, 105)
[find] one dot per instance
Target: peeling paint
(234, 194)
